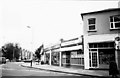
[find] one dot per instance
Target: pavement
(80, 71)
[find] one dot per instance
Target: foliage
(37, 52)
(11, 51)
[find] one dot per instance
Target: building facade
(66, 53)
(119, 4)
(26, 55)
(101, 38)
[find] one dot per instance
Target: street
(15, 70)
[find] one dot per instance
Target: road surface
(15, 70)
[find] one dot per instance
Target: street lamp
(31, 42)
(29, 27)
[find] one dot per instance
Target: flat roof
(105, 10)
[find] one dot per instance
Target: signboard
(117, 39)
(71, 42)
(117, 42)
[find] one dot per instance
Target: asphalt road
(15, 70)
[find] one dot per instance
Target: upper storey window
(115, 22)
(91, 24)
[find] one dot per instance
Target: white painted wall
(119, 4)
(86, 52)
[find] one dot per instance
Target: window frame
(92, 24)
(113, 22)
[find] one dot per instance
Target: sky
(34, 22)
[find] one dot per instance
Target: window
(101, 45)
(91, 24)
(115, 22)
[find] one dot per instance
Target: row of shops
(67, 53)
(93, 50)
(74, 55)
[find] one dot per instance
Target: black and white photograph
(60, 38)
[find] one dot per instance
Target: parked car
(7, 60)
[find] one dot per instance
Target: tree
(11, 51)
(17, 51)
(37, 52)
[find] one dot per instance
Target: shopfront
(55, 58)
(73, 58)
(77, 58)
(66, 58)
(47, 58)
(100, 53)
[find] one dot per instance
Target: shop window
(79, 52)
(91, 24)
(82, 61)
(105, 44)
(111, 45)
(105, 54)
(95, 45)
(101, 45)
(77, 57)
(90, 45)
(90, 59)
(55, 58)
(115, 22)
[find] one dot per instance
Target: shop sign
(117, 39)
(117, 42)
(70, 42)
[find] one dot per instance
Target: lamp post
(31, 42)
(29, 27)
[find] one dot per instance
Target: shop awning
(101, 38)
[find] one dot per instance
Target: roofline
(101, 11)
(72, 39)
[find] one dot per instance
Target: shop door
(94, 59)
(67, 58)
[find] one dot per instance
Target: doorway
(93, 58)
